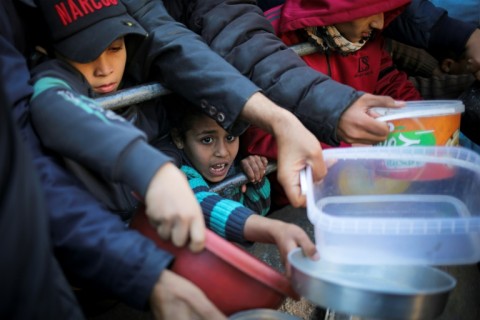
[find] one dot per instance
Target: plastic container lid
(426, 108)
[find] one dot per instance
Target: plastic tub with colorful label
(423, 123)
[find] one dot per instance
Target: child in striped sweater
(209, 155)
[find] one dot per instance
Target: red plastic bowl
(233, 279)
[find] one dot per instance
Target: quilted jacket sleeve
(239, 32)
(76, 127)
(182, 61)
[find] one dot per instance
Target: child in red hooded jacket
(350, 49)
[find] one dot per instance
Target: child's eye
(116, 48)
(231, 138)
(117, 45)
(207, 140)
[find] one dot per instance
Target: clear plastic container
(390, 205)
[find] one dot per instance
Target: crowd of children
(229, 69)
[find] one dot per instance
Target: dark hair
(181, 113)
(441, 54)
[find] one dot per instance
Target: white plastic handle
(306, 186)
(303, 181)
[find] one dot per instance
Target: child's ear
(177, 139)
(446, 65)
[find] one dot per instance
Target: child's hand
(175, 212)
(254, 167)
(289, 236)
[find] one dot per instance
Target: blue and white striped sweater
(227, 216)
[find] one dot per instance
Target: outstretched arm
(287, 236)
(74, 126)
(297, 147)
(224, 216)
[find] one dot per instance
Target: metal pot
(372, 291)
(262, 314)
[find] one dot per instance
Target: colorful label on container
(410, 138)
(424, 131)
(396, 164)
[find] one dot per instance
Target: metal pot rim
(385, 291)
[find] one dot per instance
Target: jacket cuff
(141, 286)
(139, 164)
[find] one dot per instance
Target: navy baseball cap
(81, 30)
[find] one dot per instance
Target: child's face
(356, 30)
(210, 148)
(105, 73)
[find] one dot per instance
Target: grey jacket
(238, 31)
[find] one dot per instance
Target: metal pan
(262, 314)
(378, 292)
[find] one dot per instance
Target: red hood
(298, 14)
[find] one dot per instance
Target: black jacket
(32, 284)
(238, 31)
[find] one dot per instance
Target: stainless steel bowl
(378, 292)
(262, 314)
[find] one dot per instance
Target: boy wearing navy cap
(90, 43)
(81, 31)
